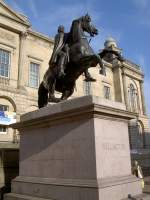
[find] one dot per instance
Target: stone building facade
(24, 57)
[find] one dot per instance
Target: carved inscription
(113, 147)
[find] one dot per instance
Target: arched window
(141, 134)
(136, 134)
(7, 113)
(133, 100)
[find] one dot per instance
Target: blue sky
(127, 21)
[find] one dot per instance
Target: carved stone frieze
(7, 36)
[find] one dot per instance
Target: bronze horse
(81, 57)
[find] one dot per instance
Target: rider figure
(60, 55)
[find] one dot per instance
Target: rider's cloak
(58, 45)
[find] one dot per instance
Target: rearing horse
(81, 57)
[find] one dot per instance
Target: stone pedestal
(75, 150)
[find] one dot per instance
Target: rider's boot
(88, 77)
(61, 67)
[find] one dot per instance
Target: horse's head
(87, 26)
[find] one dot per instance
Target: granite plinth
(75, 150)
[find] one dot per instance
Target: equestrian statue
(71, 57)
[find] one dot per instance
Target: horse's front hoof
(54, 99)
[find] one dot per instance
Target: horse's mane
(75, 30)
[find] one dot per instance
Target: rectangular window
(34, 75)
(3, 129)
(87, 88)
(3, 107)
(4, 63)
(106, 92)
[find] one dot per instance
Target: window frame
(85, 86)
(6, 106)
(29, 75)
(9, 65)
(6, 129)
(106, 86)
(133, 98)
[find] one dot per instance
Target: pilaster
(125, 90)
(21, 61)
(142, 98)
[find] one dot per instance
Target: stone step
(13, 196)
(139, 197)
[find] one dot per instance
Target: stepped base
(13, 196)
(66, 189)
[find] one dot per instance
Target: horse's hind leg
(50, 83)
(42, 96)
(66, 94)
(52, 97)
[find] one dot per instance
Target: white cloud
(16, 7)
(33, 8)
(65, 14)
(141, 59)
(143, 12)
(143, 64)
(141, 4)
(145, 20)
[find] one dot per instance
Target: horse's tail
(42, 96)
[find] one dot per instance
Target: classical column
(142, 98)
(125, 90)
(121, 85)
(23, 36)
(118, 82)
